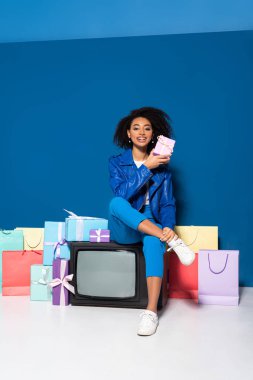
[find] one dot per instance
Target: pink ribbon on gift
(98, 235)
(63, 281)
(57, 245)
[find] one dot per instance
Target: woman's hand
(168, 234)
(153, 161)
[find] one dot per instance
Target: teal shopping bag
(10, 240)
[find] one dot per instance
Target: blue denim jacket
(128, 181)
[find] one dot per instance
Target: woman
(143, 208)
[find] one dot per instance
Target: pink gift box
(99, 235)
(164, 146)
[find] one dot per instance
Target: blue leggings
(123, 224)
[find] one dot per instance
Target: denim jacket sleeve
(167, 203)
(127, 186)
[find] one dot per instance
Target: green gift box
(41, 276)
(10, 240)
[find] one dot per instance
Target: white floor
(39, 341)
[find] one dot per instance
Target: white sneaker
(185, 255)
(148, 323)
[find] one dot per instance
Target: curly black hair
(160, 121)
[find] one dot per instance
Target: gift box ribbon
(80, 227)
(98, 235)
(63, 282)
(44, 279)
(61, 241)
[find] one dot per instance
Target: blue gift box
(10, 241)
(40, 289)
(55, 244)
(78, 229)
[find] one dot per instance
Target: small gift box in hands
(164, 146)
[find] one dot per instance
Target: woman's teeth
(141, 139)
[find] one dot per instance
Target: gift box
(97, 236)
(218, 277)
(41, 276)
(55, 244)
(78, 229)
(16, 271)
(164, 146)
(9, 240)
(33, 237)
(183, 280)
(60, 283)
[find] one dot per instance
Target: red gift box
(16, 271)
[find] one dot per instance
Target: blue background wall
(60, 102)
(30, 20)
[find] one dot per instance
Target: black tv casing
(140, 300)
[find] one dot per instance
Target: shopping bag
(218, 277)
(33, 237)
(16, 271)
(9, 240)
(183, 280)
(198, 237)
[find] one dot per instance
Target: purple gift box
(164, 146)
(99, 235)
(60, 283)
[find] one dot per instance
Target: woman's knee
(115, 203)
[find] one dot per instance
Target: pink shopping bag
(218, 277)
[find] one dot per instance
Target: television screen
(106, 273)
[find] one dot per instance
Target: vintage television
(111, 275)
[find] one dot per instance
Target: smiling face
(140, 132)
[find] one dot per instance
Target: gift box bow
(57, 246)
(99, 233)
(72, 215)
(64, 282)
(44, 279)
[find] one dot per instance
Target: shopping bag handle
(213, 270)
(5, 232)
(33, 246)
(193, 241)
(32, 250)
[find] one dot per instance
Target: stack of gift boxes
(35, 261)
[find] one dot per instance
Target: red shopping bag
(16, 271)
(182, 280)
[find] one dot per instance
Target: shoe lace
(178, 242)
(146, 317)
